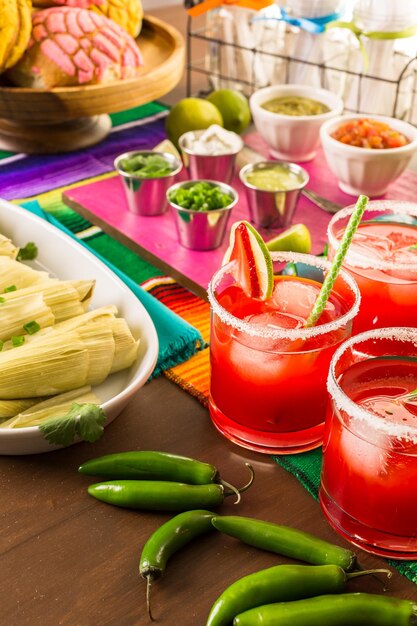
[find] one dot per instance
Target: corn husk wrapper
(52, 407)
(15, 312)
(7, 247)
(66, 299)
(126, 346)
(121, 349)
(105, 312)
(57, 363)
(15, 273)
(10, 408)
(99, 341)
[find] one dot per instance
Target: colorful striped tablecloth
(43, 178)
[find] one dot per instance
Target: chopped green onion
(1, 345)
(2, 299)
(11, 288)
(31, 327)
(200, 196)
(18, 340)
(28, 252)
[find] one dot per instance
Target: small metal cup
(202, 230)
(208, 167)
(272, 208)
(147, 196)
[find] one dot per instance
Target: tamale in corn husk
(15, 273)
(105, 312)
(122, 351)
(56, 363)
(15, 312)
(52, 407)
(66, 299)
(7, 247)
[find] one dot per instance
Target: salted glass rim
(346, 404)
(255, 330)
(356, 259)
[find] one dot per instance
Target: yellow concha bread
(127, 13)
(15, 29)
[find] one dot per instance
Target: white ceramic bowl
(66, 259)
(292, 138)
(366, 170)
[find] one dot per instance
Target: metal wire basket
(215, 61)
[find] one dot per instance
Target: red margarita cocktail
(383, 260)
(268, 371)
(368, 486)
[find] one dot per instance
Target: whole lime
(191, 114)
(233, 106)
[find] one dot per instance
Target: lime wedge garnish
(167, 146)
(297, 238)
(253, 268)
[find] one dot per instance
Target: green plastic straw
(334, 270)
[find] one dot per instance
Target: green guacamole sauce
(274, 178)
(295, 105)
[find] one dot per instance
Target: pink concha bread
(70, 46)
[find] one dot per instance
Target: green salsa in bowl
(295, 105)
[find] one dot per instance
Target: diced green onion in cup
(200, 196)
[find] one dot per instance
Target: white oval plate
(63, 257)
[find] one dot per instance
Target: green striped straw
(334, 270)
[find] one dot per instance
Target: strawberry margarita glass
(268, 371)
(382, 258)
(368, 488)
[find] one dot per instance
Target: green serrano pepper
(285, 541)
(167, 540)
(148, 465)
(348, 609)
(278, 584)
(158, 495)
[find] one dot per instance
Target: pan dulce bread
(15, 27)
(70, 46)
(126, 13)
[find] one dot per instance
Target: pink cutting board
(155, 238)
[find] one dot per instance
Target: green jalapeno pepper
(158, 495)
(278, 584)
(285, 541)
(348, 609)
(167, 540)
(148, 465)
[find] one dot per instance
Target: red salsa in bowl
(369, 133)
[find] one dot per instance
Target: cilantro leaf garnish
(83, 420)
(28, 252)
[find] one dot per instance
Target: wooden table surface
(66, 558)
